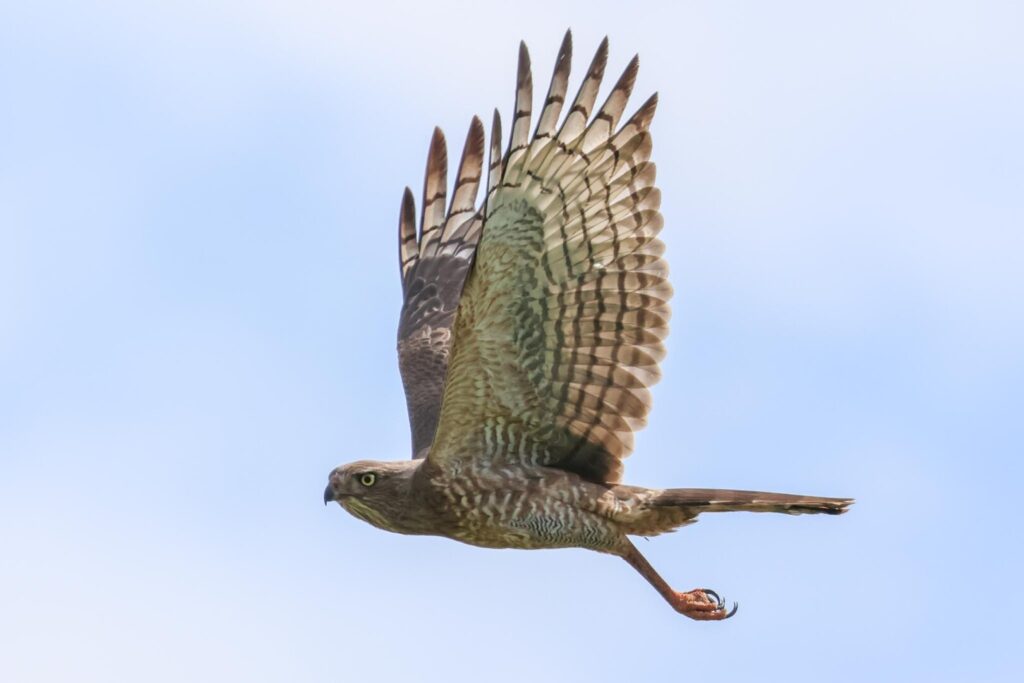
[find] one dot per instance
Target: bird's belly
(558, 526)
(522, 507)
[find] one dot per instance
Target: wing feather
(519, 139)
(434, 263)
(556, 91)
(408, 243)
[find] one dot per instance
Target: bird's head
(374, 491)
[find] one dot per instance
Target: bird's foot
(703, 604)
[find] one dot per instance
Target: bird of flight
(530, 332)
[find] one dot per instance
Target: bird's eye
(368, 479)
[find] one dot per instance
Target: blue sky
(199, 293)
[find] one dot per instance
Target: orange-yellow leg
(702, 604)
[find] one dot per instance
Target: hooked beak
(328, 494)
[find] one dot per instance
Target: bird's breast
(518, 507)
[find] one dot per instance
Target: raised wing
(559, 330)
(434, 261)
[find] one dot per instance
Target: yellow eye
(368, 479)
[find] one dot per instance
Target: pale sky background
(199, 294)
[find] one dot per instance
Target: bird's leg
(701, 603)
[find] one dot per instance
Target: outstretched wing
(434, 261)
(559, 330)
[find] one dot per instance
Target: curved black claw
(713, 595)
(735, 606)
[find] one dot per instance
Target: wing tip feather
(566, 46)
(408, 240)
(524, 74)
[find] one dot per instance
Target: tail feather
(727, 500)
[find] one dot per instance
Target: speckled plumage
(530, 333)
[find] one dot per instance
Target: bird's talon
(704, 604)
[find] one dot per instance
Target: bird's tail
(726, 500)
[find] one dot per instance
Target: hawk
(530, 334)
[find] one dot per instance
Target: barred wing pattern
(559, 330)
(434, 262)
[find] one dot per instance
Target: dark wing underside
(434, 262)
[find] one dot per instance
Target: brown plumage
(531, 330)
